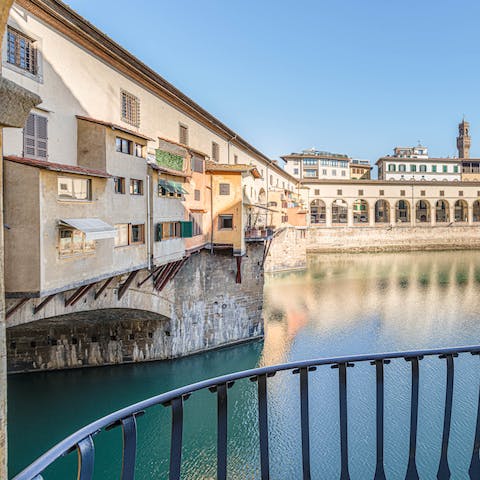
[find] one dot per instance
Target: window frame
(72, 198)
(38, 138)
(88, 247)
(31, 55)
(122, 190)
(133, 181)
(129, 108)
(130, 234)
(224, 189)
(117, 227)
(222, 218)
(183, 133)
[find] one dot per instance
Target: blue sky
(351, 76)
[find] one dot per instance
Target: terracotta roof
(186, 147)
(114, 126)
(57, 167)
(424, 160)
(236, 168)
(168, 171)
(351, 181)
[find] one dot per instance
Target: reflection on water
(342, 304)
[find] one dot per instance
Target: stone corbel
(15, 103)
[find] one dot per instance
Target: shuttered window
(35, 137)
(183, 134)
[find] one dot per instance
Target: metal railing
(82, 440)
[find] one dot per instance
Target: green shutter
(186, 229)
(158, 236)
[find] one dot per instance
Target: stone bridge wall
(290, 248)
(200, 309)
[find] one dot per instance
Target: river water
(341, 304)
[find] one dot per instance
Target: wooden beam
(124, 287)
(78, 291)
(159, 272)
(43, 303)
(266, 250)
(238, 278)
(16, 307)
(178, 267)
(82, 293)
(150, 275)
(165, 276)
(103, 287)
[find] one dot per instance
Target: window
(310, 172)
(21, 51)
(422, 193)
(224, 189)
(434, 168)
(136, 187)
(317, 191)
(344, 173)
(442, 193)
(183, 134)
(391, 167)
(413, 168)
(334, 173)
(402, 167)
(381, 192)
(310, 161)
(138, 150)
(168, 230)
(339, 192)
(70, 188)
(123, 145)
(402, 193)
(196, 164)
(445, 168)
(121, 234)
(215, 152)
(295, 171)
(197, 195)
(35, 137)
(460, 193)
(119, 184)
(455, 169)
(225, 222)
(197, 223)
(360, 192)
(130, 108)
(423, 168)
(271, 179)
(137, 234)
(73, 242)
(324, 171)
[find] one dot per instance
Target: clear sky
(350, 76)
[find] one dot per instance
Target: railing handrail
(72, 441)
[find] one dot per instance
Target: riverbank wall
(202, 308)
(290, 247)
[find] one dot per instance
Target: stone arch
(476, 211)
(402, 211)
(318, 212)
(422, 211)
(442, 211)
(461, 211)
(382, 211)
(360, 211)
(339, 211)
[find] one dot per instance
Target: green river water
(341, 304)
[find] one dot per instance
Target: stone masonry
(202, 308)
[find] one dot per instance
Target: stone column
(15, 104)
(350, 214)
(452, 212)
(470, 214)
(371, 214)
(433, 213)
(328, 214)
(393, 220)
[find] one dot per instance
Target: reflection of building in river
(410, 295)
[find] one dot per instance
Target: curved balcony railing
(82, 440)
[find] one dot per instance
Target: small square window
(317, 191)
(460, 193)
(339, 192)
(224, 189)
(119, 184)
(422, 193)
(360, 192)
(442, 193)
(402, 193)
(225, 222)
(381, 192)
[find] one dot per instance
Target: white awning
(93, 228)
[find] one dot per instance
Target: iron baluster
(176, 438)
(86, 458)
(129, 431)
(443, 468)
(474, 470)
(412, 472)
(380, 401)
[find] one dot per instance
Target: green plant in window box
(169, 160)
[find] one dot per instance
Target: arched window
(461, 211)
(339, 211)
(382, 211)
(422, 211)
(317, 212)
(360, 211)
(402, 211)
(476, 211)
(442, 211)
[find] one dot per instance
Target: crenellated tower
(463, 139)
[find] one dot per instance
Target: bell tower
(463, 139)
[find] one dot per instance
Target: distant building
(317, 164)
(360, 169)
(413, 163)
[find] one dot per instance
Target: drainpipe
(211, 214)
(149, 247)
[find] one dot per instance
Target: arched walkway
(360, 211)
(402, 211)
(442, 211)
(476, 211)
(318, 212)
(382, 211)
(339, 212)
(461, 211)
(422, 211)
